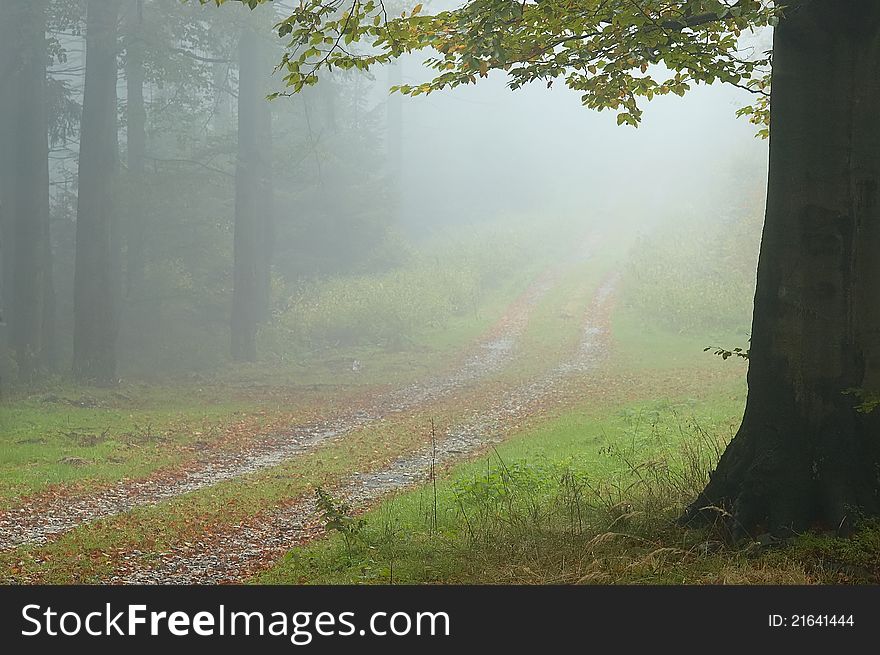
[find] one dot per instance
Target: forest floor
(46, 515)
(561, 375)
(260, 443)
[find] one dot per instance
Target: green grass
(510, 516)
(402, 324)
(591, 494)
(85, 436)
(68, 436)
(509, 511)
(647, 345)
(587, 490)
(426, 352)
(696, 275)
(443, 283)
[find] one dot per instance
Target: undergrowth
(574, 521)
(439, 281)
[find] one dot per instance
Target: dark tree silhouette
(96, 278)
(805, 453)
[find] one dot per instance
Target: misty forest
(486, 291)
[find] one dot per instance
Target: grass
(645, 345)
(88, 553)
(527, 511)
(66, 439)
(555, 326)
(697, 275)
(440, 286)
(427, 351)
(588, 497)
(87, 437)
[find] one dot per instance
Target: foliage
(337, 517)
(614, 52)
(724, 353)
(759, 112)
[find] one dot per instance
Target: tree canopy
(614, 52)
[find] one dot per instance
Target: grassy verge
(531, 511)
(86, 437)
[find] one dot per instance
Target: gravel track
(38, 523)
(235, 554)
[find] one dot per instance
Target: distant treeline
(153, 203)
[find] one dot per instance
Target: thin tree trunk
(805, 455)
(136, 140)
(25, 185)
(253, 199)
(8, 66)
(95, 277)
(48, 338)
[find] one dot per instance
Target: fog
(540, 152)
(144, 241)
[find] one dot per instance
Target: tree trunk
(253, 199)
(136, 146)
(25, 183)
(95, 277)
(7, 67)
(48, 339)
(805, 455)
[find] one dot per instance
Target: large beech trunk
(805, 455)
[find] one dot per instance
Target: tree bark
(95, 277)
(805, 455)
(24, 184)
(253, 199)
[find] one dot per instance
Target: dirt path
(38, 522)
(235, 554)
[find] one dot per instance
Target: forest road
(237, 553)
(43, 519)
